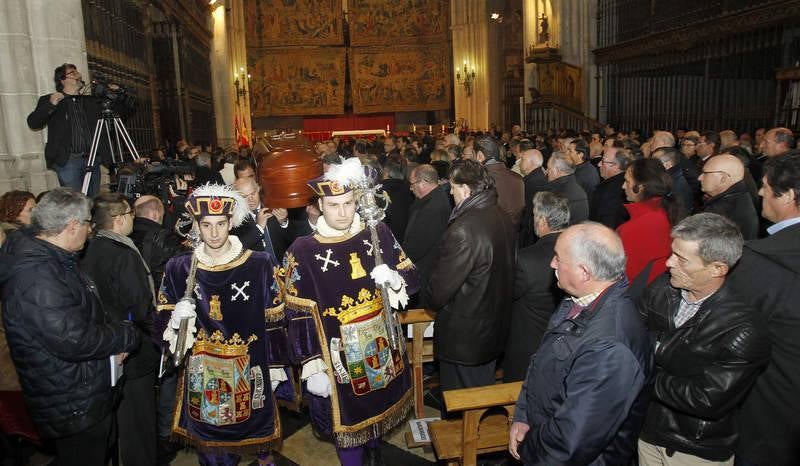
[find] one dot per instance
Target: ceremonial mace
(372, 214)
(183, 330)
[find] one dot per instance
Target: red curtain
(320, 128)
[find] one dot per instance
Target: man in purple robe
(225, 401)
(358, 383)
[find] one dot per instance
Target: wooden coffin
(285, 169)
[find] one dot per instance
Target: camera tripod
(108, 123)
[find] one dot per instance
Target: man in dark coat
(536, 295)
(608, 203)
(60, 337)
(530, 164)
(767, 275)
(126, 288)
(586, 174)
(587, 388)
(561, 180)
(709, 347)
(427, 221)
(264, 229)
(670, 158)
(473, 296)
(509, 186)
(722, 180)
(395, 184)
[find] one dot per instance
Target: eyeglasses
(124, 213)
(88, 221)
(715, 171)
(606, 162)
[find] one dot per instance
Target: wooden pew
(460, 441)
(420, 350)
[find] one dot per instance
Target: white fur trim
(323, 229)
(230, 255)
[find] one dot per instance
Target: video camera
(136, 180)
(112, 92)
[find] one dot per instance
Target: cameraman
(70, 118)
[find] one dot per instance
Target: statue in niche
(544, 34)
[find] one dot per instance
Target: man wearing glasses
(126, 288)
(722, 180)
(70, 118)
(61, 335)
(608, 203)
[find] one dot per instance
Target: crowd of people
(642, 289)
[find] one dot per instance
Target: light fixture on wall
(238, 83)
(465, 78)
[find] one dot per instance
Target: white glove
(275, 384)
(383, 274)
(184, 309)
(319, 385)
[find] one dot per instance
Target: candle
(430, 129)
(443, 130)
(387, 128)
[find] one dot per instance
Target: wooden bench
(420, 350)
(460, 441)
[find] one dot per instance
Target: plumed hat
(215, 199)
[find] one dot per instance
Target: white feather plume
(348, 173)
(240, 209)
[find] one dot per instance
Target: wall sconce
(241, 88)
(465, 78)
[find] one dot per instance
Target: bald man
(722, 181)
(530, 165)
(585, 393)
(264, 229)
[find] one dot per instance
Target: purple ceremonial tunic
(224, 399)
(335, 312)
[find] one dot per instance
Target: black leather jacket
(60, 339)
(472, 282)
(704, 369)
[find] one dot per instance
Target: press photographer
(71, 116)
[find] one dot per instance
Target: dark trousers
(87, 448)
(454, 376)
(166, 402)
(71, 175)
(136, 418)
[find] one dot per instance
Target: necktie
(268, 242)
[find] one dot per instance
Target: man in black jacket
(400, 198)
(126, 288)
(70, 119)
(709, 348)
(473, 281)
(264, 229)
(767, 275)
(60, 337)
(427, 221)
(722, 180)
(608, 202)
(670, 158)
(561, 180)
(530, 164)
(586, 390)
(536, 295)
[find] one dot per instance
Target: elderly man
(473, 296)
(586, 391)
(427, 221)
(264, 229)
(126, 287)
(509, 185)
(608, 203)
(722, 181)
(535, 292)
(358, 383)
(60, 337)
(767, 275)
(670, 157)
(709, 348)
(561, 180)
(777, 141)
(530, 165)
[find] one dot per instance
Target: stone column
(221, 76)
(239, 60)
(36, 36)
(475, 42)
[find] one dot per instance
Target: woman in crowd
(653, 210)
(15, 210)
